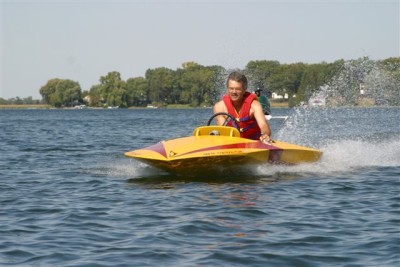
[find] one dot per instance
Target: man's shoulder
(256, 103)
(220, 106)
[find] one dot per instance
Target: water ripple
(68, 197)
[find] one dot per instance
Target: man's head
(237, 77)
(236, 86)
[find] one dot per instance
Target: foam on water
(349, 154)
(344, 156)
(123, 168)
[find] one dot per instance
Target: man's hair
(237, 77)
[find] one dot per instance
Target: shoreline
(44, 106)
(25, 106)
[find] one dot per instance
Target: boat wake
(123, 168)
(340, 156)
(344, 156)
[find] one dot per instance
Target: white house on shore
(276, 96)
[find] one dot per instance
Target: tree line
(20, 101)
(198, 86)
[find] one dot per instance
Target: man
(241, 105)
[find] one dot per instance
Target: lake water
(68, 196)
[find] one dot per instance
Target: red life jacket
(248, 125)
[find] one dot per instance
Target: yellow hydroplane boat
(214, 147)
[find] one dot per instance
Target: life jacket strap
(249, 127)
(244, 119)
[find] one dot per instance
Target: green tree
(391, 71)
(197, 80)
(160, 82)
(48, 89)
(392, 66)
(61, 92)
(286, 79)
(137, 91)
(315, 77)
(70, 91)
(95, 99)
(113, 89)
(260, 71)
(217, 84)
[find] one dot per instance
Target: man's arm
(260, 118)
(220, 107)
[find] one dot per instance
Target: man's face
(235, 91)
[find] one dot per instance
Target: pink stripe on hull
(275, 152)
(159, 148)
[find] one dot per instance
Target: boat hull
(208, 153)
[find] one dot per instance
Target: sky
(82, 40)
